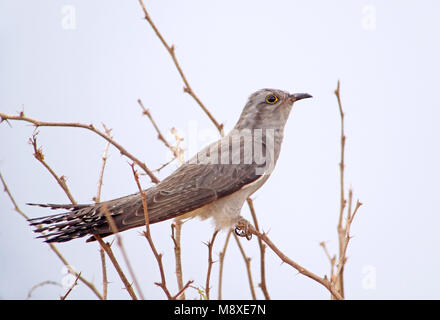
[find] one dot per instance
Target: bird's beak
(298, 96)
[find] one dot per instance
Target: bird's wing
(190, 187)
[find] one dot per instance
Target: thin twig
(71, 288)
(182, 291)
(38, 154)
(160, 136)
(121, 274)
(97, 199)
(120, 244)
(176, 231)
(47, 282)
(90, 285)
(340, 228)
(176, 227)
(210, 244)
(347, 237)
(331, 259)
(187, 87)
(104, 273)
(247, 261)
(147, 235)
(343, 230)
(90, 127)
(221, 264)
(323, 281)
(262, 246)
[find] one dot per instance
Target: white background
(384, 52)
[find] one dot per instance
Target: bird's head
(268, 108)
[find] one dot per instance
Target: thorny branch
(247, 261)
(337, 277)
(160, 136)
(221, 264)
(21, 117)
(323, 281)
(97, 199)
(90, 285)
(188, 89)
(147, 235)
(40, 285)
(38, 154)
(210, 245)
(176, 231)
(262, 246)
(40, 157)
(71, 287)
(172, 53)
(107, 249)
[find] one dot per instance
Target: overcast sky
(89, 61)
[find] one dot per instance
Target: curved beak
(299, 96)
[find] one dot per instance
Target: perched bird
(215, 183)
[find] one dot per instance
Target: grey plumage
(214, 183)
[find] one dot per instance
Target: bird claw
(242, 229)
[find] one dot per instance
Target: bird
(214, 183)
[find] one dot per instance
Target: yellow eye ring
(271, 99)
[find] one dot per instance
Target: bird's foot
(243, 228)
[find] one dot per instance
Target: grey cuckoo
(215, 183)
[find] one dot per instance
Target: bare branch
(71, 288)
(90, 285)
(247, 261)
(176, 230)
(323, 281)
(187, 87)
(262, 246)
(182, 291)
(210, 244)
(221, 264)
(90, 127)
(97, 199)
(104, 273)
(38, 154)
(115, 230)
(47, 282)
(147, 235)
(112, 258)
(160, 136)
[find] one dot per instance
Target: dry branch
(262, 246)
(210, 244)
(71, 287)
(323, 281)
(221, 264)
(147, 235)
(120, 244)
(97, 199)
(90, 285)
(47, 282)
(90, 127)
(176, 231)
(247, 261)
(172, 53)
(108, 250)
(38, 154)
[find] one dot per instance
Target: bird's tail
(78, 221)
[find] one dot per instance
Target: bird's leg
(242, 228)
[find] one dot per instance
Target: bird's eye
(271, 99)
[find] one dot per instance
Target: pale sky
(93, 66)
